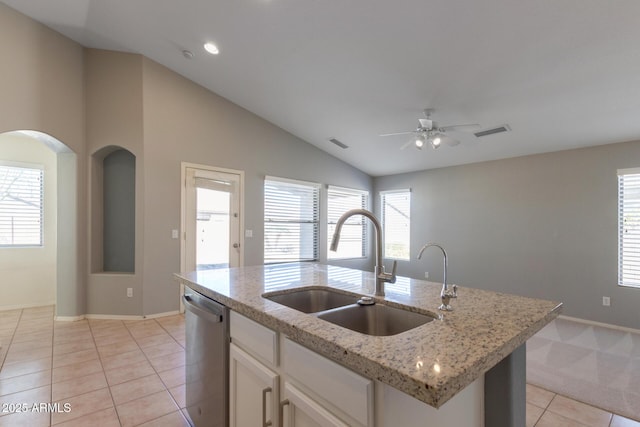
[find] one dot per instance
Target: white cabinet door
(253, 391)
(299, 410)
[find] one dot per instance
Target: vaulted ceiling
(561, 73)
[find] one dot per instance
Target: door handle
(281, 414)
(265, 423)
(189, 305)
(236, 245)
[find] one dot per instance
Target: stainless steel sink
(377, 319)
(312, 300)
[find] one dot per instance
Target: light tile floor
(130, 373)
(109, 372)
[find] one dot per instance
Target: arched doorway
(44, 271)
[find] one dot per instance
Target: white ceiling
(562, 73)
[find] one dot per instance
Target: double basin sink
(342, 309)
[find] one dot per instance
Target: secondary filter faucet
(446, 294)
(381, 275)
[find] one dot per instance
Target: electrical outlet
(130, 292)
(426, 274)
(606, 301)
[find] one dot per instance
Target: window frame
(39, 169)
(384, 222)
(626, 207)
(354, 220)
(314, 192)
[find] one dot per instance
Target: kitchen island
(431, 363)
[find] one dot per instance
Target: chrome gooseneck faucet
(445, 294)
(381, 275)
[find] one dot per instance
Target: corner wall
(543, 226)
(114, 105)
(41, 82)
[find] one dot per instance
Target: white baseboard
(168, 313)
(23, 306)
(603, 325)
(129, 317)
(69, 318)
(89, 316)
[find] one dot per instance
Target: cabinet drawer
(254, 338)
(341, 387)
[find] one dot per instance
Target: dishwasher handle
(190, 305)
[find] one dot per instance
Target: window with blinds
(353, 236)
(21, 195)
(396, 218)
(629, 227)
(291, 220)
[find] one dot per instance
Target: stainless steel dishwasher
(207, 360)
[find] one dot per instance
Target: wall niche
(113, 210)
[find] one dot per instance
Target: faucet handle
(389, 277)
(455, 291)
(392, 276)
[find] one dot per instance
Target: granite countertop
(432, 362)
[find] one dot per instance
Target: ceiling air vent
(338, 143)
(492, 131)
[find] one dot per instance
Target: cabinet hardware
(265, 423)
(282, 405)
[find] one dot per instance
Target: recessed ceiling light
(211, 48)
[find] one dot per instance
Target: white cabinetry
(308, 389)
(346, 395)
(253, 378)
(253, 391)
(299, 410)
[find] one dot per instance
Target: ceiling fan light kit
(429, 131)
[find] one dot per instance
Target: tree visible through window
(629, 227)
(21, 195)
(396, 219)
(291, 220)
(353, 238)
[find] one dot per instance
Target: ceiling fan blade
(407, 144)
(426, 123)
(397, 133)
(451, 142)
(464, 128)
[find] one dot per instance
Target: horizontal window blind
(396, 218)
(353, 236)
(629, 228)
(291, 220)
(21, 200)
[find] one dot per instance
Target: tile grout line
(93, 338)
(53, 340)
(15, 329)
(154, 368)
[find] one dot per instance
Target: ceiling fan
(430, 132)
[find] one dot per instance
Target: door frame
(183, 216)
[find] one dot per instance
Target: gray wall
(119, 205)
(184, 122)
(541, 226)
(41, 85)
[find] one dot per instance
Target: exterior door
(212, 219)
